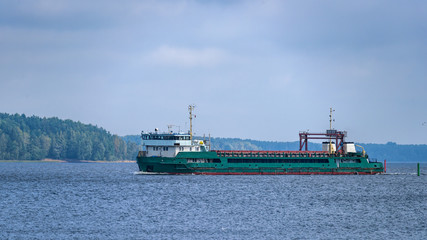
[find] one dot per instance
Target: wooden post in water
(418, 169)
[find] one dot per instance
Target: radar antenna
(170, 126)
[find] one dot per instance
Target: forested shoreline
(35, 138)
(390, 151)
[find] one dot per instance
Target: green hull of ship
(213, 163)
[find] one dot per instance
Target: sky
(262, 70)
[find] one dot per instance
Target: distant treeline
(391, 151)
(35, 138)
(248, 144)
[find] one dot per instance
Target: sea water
(112, 201)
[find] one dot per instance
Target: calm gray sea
(110, 201)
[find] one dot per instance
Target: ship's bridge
(165, 139)
(170, 144)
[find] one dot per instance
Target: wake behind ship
(179, 153)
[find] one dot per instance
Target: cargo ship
(180, 153)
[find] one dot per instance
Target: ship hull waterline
(303, 165)
(263, 173)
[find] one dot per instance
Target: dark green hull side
(210, 163)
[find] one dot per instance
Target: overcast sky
(262, 70)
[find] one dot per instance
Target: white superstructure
(349, 147)
(326, 148)
(170, 144)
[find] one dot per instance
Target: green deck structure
(179, 153)
(259, 162)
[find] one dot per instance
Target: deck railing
(271, 154)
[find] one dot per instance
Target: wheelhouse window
(163, 137)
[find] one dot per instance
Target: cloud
(282, 58)
(187, 57)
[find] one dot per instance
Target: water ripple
(113, 201)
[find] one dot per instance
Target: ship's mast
(330, 128)
(190, 111)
